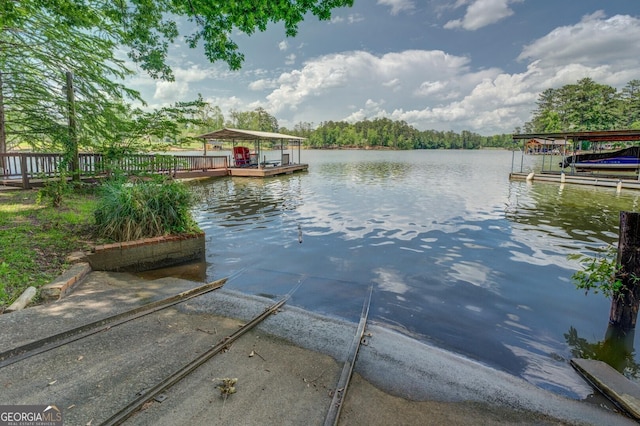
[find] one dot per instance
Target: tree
(383, 132)
(146, 27)
(591, 106)
(302, 129)
(36, 50)
(258, 119)
(631, 105)
(585, 106)
(616, 275)
(42, 39)
(546, 117)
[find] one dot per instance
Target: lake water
(458, 255)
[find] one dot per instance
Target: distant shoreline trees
(383, 133)
(583, 106)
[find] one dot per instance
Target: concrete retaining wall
(148, 253)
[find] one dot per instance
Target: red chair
(241, 156)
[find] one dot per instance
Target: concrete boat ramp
(286, 368)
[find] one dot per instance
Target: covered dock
(261, 162)
(576, 144)
(28, 169)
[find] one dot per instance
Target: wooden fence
(23, 169)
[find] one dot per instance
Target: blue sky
(475, 65)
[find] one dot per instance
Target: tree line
(383, 133)
(586, 106)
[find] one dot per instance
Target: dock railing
(28, 167)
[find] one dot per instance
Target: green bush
(600, 274)
(53, 190)
(142, 209)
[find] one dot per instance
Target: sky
(476, 65)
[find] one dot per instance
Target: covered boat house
(28, 169)
(260, 161)
(598, 158)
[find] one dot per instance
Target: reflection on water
(616, 349)
(195, 270)
(458, 255)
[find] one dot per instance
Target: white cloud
(491, 104)
(394, 83)
(593, 41)
(191, 74)
(290, 59)
(283, 45)
(354, 18)
(371, 110)
(429, 89)
(597, 47)
(226, 104)
(355, 73)
(398, 6)
(263, 84)
(167, 91)
(481, 13)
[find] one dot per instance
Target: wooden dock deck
(267, 171)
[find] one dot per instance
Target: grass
(36, 238)
(143, 209)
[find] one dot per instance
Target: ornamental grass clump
(143, 209)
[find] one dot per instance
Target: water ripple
(458, 255)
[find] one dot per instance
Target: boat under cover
(623, 160)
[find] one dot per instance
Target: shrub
(600, 273)
(142, 209)
(53, 190)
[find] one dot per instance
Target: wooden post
(24, 170)
(624, 306)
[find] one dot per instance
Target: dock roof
(247, 135)
(596, 136)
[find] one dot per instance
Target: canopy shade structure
(247, 135)
(606, 156)
(595, 136)
(256, 136)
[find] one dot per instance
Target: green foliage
(53, 190)
(586, 106)
(386, 133)
(600, 274)
(147, 28)
(135, 130)
(144, 208)
(216, 21)
(258, 119)
(41, 40)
